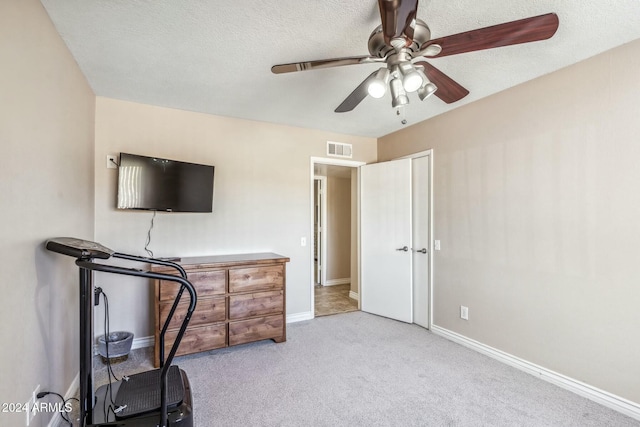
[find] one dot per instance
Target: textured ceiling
(215, 56)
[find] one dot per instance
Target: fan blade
(448, 90)
(324, 63)
(522, 31)
(356, 96)
(397, 19)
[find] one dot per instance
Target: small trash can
(119, 346)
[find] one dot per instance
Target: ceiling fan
(403, 41)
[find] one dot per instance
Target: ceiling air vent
(339, 149)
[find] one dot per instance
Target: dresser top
(227, 260)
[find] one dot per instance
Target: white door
(420, 238)
(385, 224)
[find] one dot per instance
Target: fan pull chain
(403, 115)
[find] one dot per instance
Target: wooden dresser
(241, 298)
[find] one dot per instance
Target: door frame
(322, 253)
(335, 162)
(428, 153)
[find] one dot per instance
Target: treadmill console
(78, 248)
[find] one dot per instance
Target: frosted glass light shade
(377, 89)
(378, 86)
(412, 81)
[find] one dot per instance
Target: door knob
(404, 248)
(422, 251)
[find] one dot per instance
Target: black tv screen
(152, 183)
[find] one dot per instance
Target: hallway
(333, 300)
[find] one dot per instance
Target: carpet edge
(605, 398)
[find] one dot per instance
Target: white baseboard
(602, 397)
(56, 420)
(334, 282)
(299, 317)
(354, 295)
(75, 385)
(143, 342)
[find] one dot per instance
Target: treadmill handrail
(150, 275)
(157, 261)
(89, 265)
(176, 300)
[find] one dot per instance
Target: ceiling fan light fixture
(398, 94)
(411, 78)
(378, 85)
(427, 89)
(412, 82)
(400, 101)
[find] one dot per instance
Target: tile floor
(333, 300)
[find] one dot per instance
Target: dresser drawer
(206, 283)
(255, 304)
(197, 339)
(256, 278)
(256, 329)
(208, 310)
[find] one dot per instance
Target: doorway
(334, 226)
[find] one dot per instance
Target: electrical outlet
(31, 405)
(464, 312)
(112, 162)
(436, 245)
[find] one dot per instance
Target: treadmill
(160, 397)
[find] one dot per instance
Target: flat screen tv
(152, 183)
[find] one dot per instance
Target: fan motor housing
(377, 46)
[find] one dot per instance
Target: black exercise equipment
(160, 397)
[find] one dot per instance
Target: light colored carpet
(357, 369)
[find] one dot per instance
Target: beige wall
(536, 203)
(338, 262)
(46, 189)
(262, 197)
